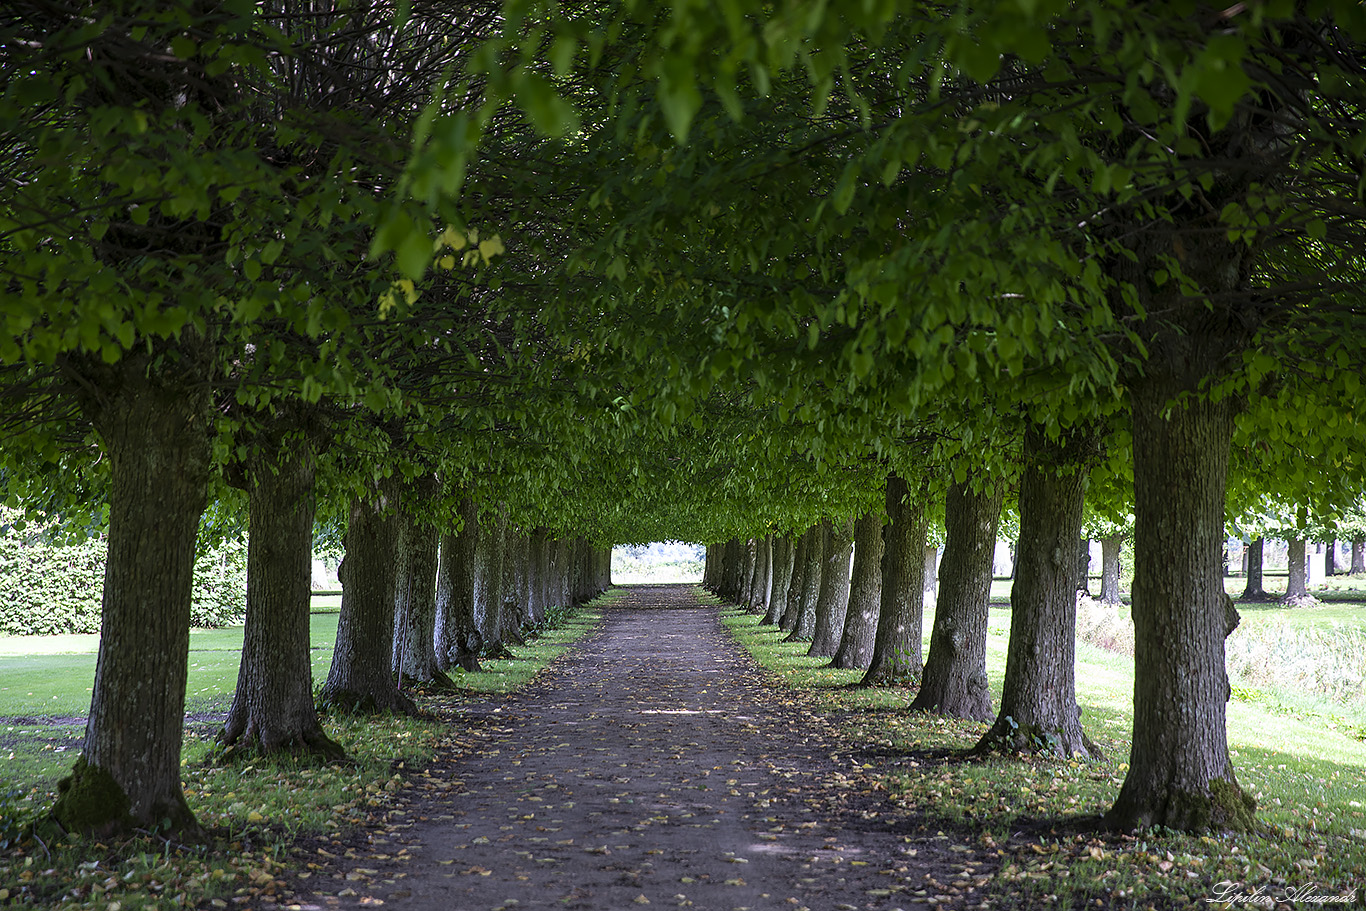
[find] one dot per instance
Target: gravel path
(651, 766)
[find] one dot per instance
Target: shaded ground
(649, 766)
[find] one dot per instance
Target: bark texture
(801, 546)
(811, 584)
(763, 575)
(783, 552)
(458, 641)
(1253, 591)
(955, 678)
(1110, 548)
(865, 593)
(1297, 580)
(1358, 556)
(416, 562)
(157, 439)
(361, 678)
(832, 603)
(896, 658)
(1039, 711)
(272, 708)
(1179, 774)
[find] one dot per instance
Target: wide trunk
(1084, 566)
(781, 562)
(896, 658)
(1297, 581)
(1039, 711)
(801, 546)
(747, 568)
(458, 640)
(1358, 556)
(1253, 590)
(865, 592)
(361, 678)
(416, 558)
(516, 558)
(157, 440)
(1179, 773)
(272, 709)
(832, 603)
(1110, 548)
(805, 625)
(955, 678)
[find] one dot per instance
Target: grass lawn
(1038, 815)
(254, 810)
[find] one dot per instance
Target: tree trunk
(763, 575)
(538, 570)
(1039, 711)
(781, 562)
(832, 603)
(1084, 566)
(930, 578)
(865, 593)
(811, 583)
(1297, 582)
(272, 709)
(1179, 774)
(1110, 548)
(800, 549)
(416, 558)
(747, 567)
(458, 640)
(955, 679)
(1358, 555)
(1253, 591)
(157, 439)
(361, 678)
(516, 557)
(896, 656)
(1330, 557)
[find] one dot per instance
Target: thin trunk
(1179, 773)
(272, 708)
(1253, 591)
(832, 604)
(1110, 548)
(865, 593)
(896, 656)
(955, 679)
(1039, 711)
(783, 551)
(1358, 555)
(747, 571)
(1330, 558)
(458, 640)
(801, 546)
(361, 678)
(930, 579)
(1084, 566)
(157, 439)
(763, 574)
(811, 584)
(1297, 582)
(416, 558)
(538, 570)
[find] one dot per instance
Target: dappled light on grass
(1040, 817)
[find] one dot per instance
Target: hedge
(47, 588)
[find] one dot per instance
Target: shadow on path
(652, 765)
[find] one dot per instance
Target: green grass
(1038, 817)
(254, 811)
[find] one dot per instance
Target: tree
(832, 603)
(955, 678)
(865, 595)
(897, 641)
(1039, 711)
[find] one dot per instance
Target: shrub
(48, 588)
